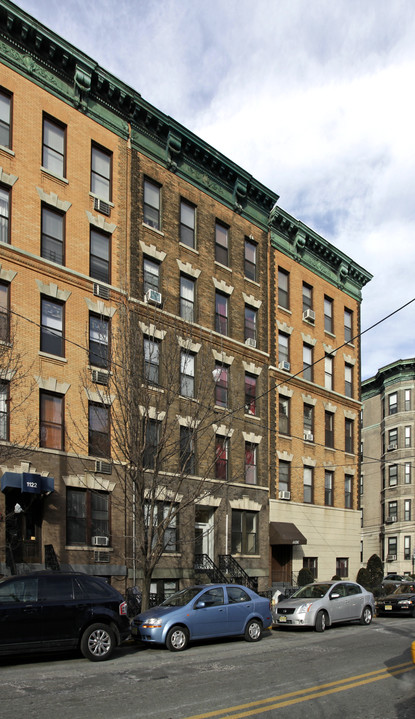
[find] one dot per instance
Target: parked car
(204, 612)
(322, 604)
(44, 611)
(400, 601)
(391, 577)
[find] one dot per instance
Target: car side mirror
(200, 605)
(334, 595)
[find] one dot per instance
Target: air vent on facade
(284, 365)
(283, 494)
(101, 291)
(309, 315)
(250, 341)
(103, 467)
(392, 446)
(99, 376)
(391, 558)
(100, 541)
(308, 436)
(102, 206)
(153, 297)
(102, 557)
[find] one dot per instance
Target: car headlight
(304, 608)
(152, 623)
(405, 601)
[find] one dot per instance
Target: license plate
(282, 619)
(388, 607)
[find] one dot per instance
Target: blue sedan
(204, 611)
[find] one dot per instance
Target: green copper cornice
(305, 246)
(384, 379)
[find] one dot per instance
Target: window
(393, 403)
(98, 341)
(283, 347)
(87, 515)
(393, 511)
(250, 260)
(151, 272)
(100, 256)
(348, 325)
(392, 547)
(99, 430)
(328, 315)
(221, 244)
(308, 421)
(407, 510)
(151, 440)
(221, 385)
(348, 484)
(284, 476)
(284, 415)
(152, 194)
(328, 372)
(307, 297)
(52, 322)
(5, 118)
(308, 362)
(311, 563)
(393, 475)
(151, 361)
(187, 374)
(250, 323)
(408, 437)
(250, 463)
(53, 150)
(158, 515)
(187, 450)
(408, 473)
(348, 434)
(348, 380)
(101, 161)
(52, 236)
(221, 457)
(250, 394)
(308, 484)
(221, 313)
(407, 547)
(329, 429)
(342, 567)
(187, 298)
(244, 532)
(4, 410)
(393, 437)
(187, 224)
(283, 288)
(4, 312)
(407, 400)
(328, 488)
(51, 421)
(4, 215)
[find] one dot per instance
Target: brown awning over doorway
(285, 533)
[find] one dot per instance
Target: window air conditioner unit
(392, 446)
(309, 315)
(153, 297)
(101, 557)
(102, 206)
(100, 541)
(103, 467)
(101, 291)
(250, 341)
(391, 519)
(308, 436)
(391, 558)
(284, 365)
(99, 376)
(283, 494)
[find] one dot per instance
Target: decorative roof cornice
(386, 377)
(298, 241)
(36, 52)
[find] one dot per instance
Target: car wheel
(98, 642)
(413, 613)
(366, 617)
(321, 622)
(253, 630)
(177, 639)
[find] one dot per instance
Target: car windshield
(312, 591)
(405, 589)
(179, 599)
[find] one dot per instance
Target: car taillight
(123, 609)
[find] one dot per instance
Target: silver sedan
(322, 604)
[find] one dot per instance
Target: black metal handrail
(234, 572)
(205, 565)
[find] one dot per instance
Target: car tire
(413, 614)
(321, 622)
(177, 639)
(366, 617)
(253, 630)
(98, 642)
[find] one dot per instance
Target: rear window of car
(96, 588)
(353, 589)
(57, 588)
(236, 594)
(23, 589)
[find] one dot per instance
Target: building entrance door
(204, 531)
(281, 563)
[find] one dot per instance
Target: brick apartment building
(386, 484)
(146, 278)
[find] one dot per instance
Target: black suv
(44, 611)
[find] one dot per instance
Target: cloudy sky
(315, 98)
